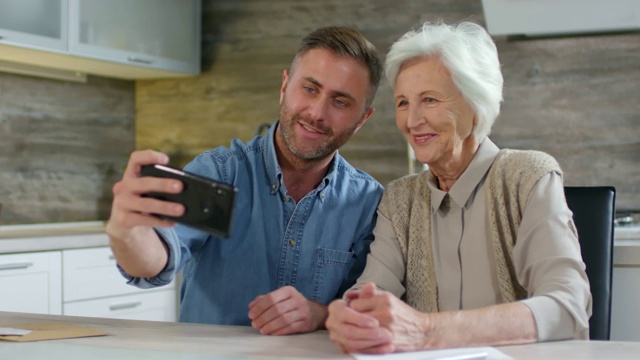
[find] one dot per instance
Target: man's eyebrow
(336, 93)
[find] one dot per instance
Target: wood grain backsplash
(63, 145)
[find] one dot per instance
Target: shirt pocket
(332, 267)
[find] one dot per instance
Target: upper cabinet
(130, 39)
(34, 23)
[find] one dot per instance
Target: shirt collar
(470, 178)
(274, 171)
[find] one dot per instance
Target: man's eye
(340, 103)
(309, 89)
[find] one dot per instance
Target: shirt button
(322, 194)
(292, 242)
(273, 186)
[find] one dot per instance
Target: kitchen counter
(56, 236)
(626, 250)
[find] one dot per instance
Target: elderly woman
(482, 246)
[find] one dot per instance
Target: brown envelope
(50, 331)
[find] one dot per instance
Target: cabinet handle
(111, 257)
(15, 266)
(123, 306)
(139, 60)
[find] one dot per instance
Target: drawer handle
(15, 266)
(139, 60)
(123, 306)
(111, 257)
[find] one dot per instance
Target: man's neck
(300, 176)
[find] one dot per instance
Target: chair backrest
(593, 213)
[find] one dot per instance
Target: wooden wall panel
(62, 147)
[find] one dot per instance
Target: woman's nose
(416, 117)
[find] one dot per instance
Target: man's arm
(135, 245)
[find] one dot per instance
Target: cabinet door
(92, 273)
(40, 24)
(152, 305)
(31, 282)
(162, 34)
(625, 317)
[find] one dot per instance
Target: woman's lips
(423, 138)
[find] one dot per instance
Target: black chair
(593, 213)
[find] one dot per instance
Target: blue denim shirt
(318, 245)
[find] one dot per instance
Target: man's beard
(307, 151)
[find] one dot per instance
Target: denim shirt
(318, 245)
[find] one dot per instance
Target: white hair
(469, 53)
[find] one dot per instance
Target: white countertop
(131, 339)
(54, 236)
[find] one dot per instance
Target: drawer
(153, 305)
(92, 273)
(31, 282)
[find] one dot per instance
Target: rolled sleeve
(166, 276)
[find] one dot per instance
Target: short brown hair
(348, 42)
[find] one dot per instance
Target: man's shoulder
(348, 171)
(237, 150)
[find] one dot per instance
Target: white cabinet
(92, 286)
(152, 306)
(129, 39)
(625, 317)
(31, 282)
(625, 298)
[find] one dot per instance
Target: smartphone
(208, 203)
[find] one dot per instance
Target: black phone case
(208, 203)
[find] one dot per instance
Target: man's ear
(285, 78)
(364, 118)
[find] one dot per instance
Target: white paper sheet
(4, 331)
(476, 353)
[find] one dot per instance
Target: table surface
(131, 339)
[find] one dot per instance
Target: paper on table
(4, 331)
(49, 331)
(477, 353)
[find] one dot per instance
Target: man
(303, 217)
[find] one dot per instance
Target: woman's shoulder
(512, 160)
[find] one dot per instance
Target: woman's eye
(429, 100)
(402, 103)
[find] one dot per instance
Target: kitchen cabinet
(34, 23)
(625, 299)
(127, 39)
(68, 268)
(31, 282)
(94, 287)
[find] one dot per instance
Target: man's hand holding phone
(208, 204)
(136, 246)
